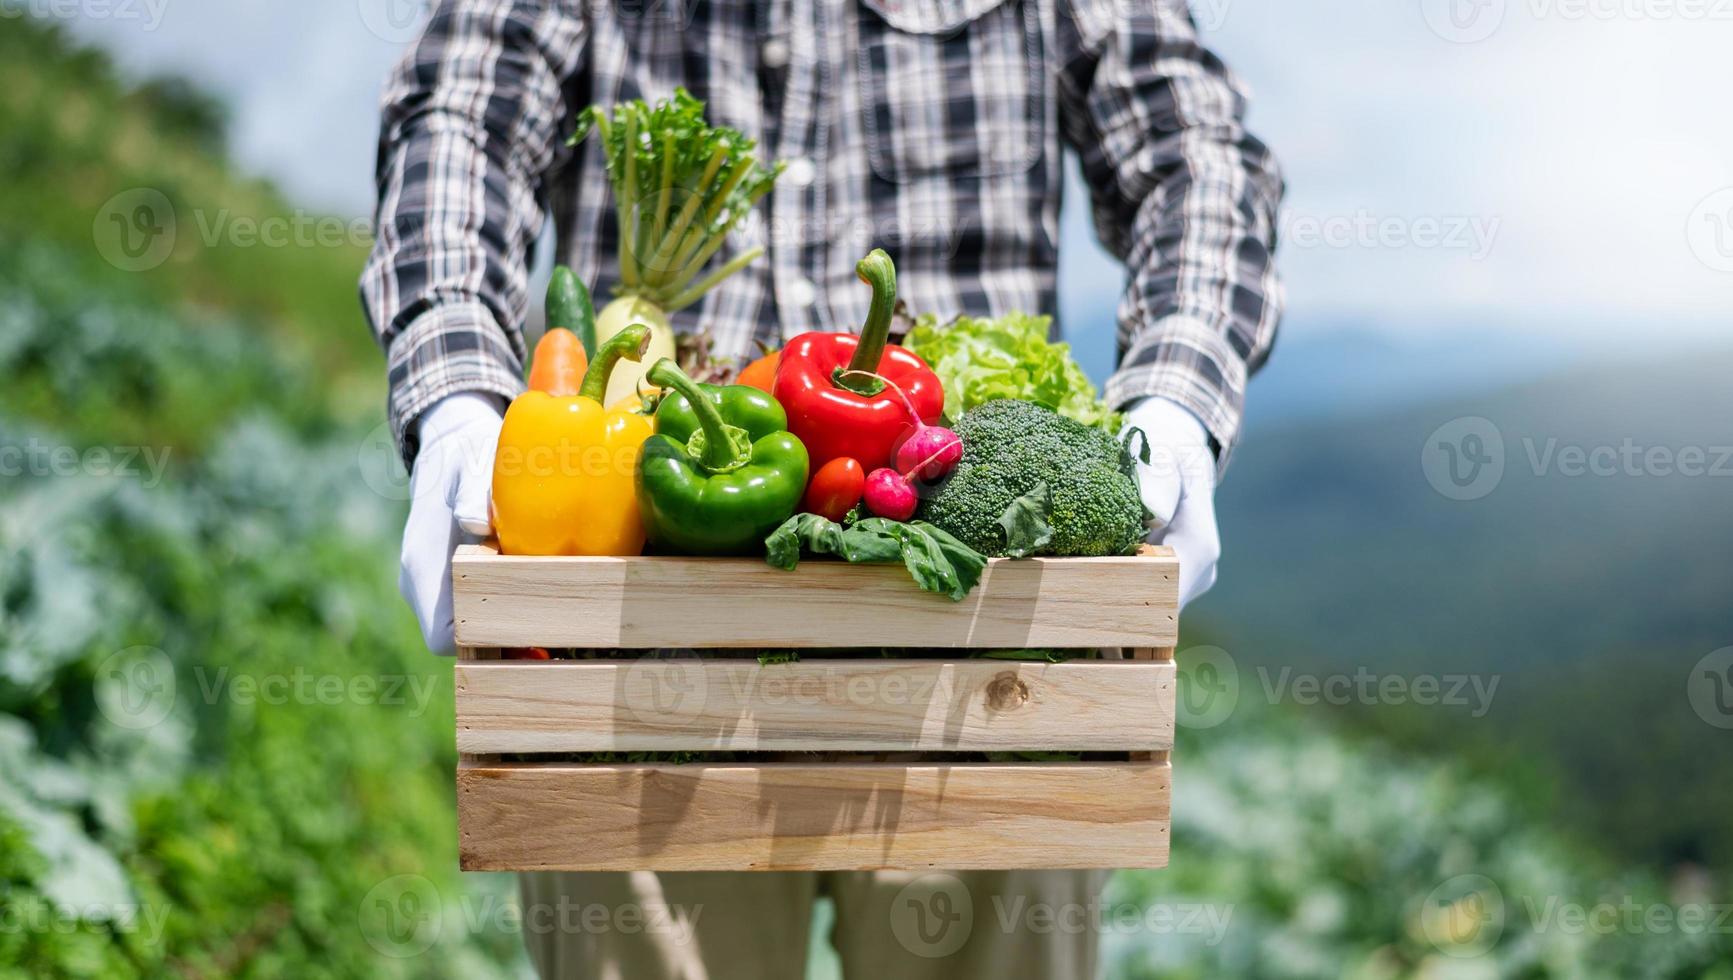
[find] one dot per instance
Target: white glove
(450, 490)
(1178, 485)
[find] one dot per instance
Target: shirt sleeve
(474, 115)
(1184, 195)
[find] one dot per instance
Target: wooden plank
(787, 817)
(854, 705)
(667, 601)
(467, 655)
(1162, 655)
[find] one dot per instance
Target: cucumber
(569, 306)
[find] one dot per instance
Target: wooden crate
(890, 791)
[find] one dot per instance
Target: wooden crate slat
(642, 602)
(854, 705)
(792, 817)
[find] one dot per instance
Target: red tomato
(835, 489)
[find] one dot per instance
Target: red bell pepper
(835, 385)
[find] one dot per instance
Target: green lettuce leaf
(936, 560)
(978, 360)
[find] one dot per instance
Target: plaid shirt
(931, 128)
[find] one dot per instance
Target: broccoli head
(1078, 480)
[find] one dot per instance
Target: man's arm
(474, 115)
(472, 120)
(1184, 195)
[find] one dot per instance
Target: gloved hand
(1178, 485)
(449, 491)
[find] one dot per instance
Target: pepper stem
(630, 343)
(716, 445)
(883, 383)
(877, 271)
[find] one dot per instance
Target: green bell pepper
(750, 408)
(722, 471)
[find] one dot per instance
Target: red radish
(931, 451)
(890, 494)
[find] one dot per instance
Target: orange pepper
(761, 374)
(563, 477)
(559, 364)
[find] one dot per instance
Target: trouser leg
(1004, 925)
(675, 926)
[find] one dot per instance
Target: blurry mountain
(1330, 371)
(1589, 580)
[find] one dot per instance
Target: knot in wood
(1007, 691)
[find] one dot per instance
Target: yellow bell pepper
(563, 474)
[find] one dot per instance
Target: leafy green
(680, 184)
(978, 360)
(1025, 522)
(936, 561)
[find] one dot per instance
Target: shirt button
(799, 172)
(775, 53)
(801, 293)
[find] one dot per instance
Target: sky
(1558, 168)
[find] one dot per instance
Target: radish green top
(680, 185)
